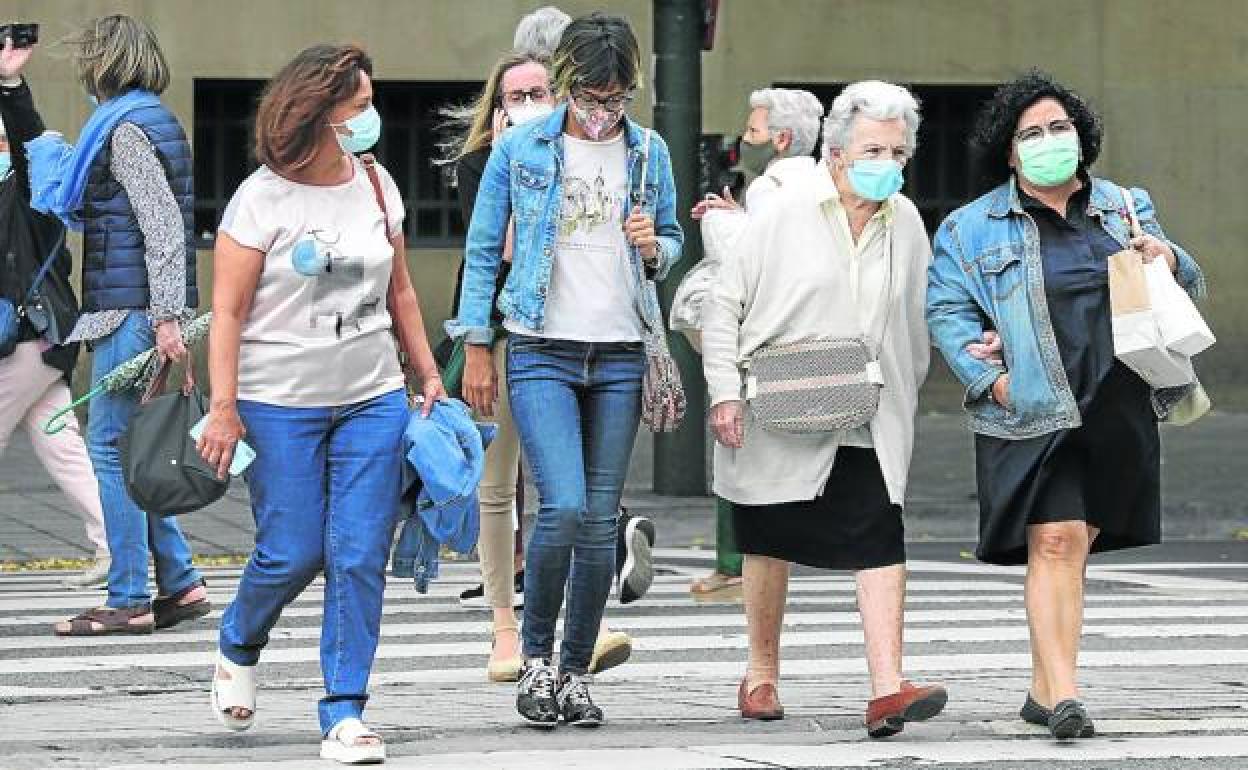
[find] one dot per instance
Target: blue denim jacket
(986, 274)
(524, 177)
(445, 458)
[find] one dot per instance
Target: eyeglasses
(614, 103)
(1054, 128)
(518, 97)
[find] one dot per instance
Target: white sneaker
(95, 576)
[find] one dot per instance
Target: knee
(288, 567)
(559, 521)
(1063, 543)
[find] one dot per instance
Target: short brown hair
(117, 53)
(296, 103)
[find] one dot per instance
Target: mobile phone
(243, 454)
(22, 35)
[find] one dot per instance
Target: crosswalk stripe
(754, 756)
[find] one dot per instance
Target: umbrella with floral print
(136, 372)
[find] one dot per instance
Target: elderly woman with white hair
(781, 130)
(828, 281)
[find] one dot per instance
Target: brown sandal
(110, 620)
(169, 613)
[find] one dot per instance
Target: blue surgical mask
(876, 179)
(6, 164)
(365, 130)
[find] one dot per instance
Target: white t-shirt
(592, 294)
(323, 340)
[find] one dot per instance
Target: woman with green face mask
(1067, 452)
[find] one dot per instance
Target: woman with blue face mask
(1067, 454)
(839, 255)
(310, 293)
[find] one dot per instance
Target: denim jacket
(986, 274)
(524, 178)
(444, 460)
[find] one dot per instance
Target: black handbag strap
(45, 267)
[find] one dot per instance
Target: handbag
(31, 308)
(163, 471)
(819, 386)
(663, 401)
(1182, 328)
(1136, 293)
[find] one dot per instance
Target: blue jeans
(133, 535)
(576, 407)
(325, 494)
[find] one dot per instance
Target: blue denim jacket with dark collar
(524, 178)
(986, 274)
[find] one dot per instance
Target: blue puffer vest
(114, 269)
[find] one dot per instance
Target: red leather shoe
(888, 715)
(760, 703)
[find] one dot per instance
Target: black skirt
(1107, 472)
(852, 525)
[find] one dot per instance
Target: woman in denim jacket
(1066, 449)
(574, 359)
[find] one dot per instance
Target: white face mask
(529, 111)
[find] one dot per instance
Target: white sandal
(341, 744)
(239, 691)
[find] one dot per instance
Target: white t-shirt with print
(592, 294)
(324, 340)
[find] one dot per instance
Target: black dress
(1106, 472)
(851, 525)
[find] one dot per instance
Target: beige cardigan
(785, 284)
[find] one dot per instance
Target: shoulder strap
(46, 266)
(370, 167)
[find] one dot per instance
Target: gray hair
(876, 100)
(793, 110)
(538, 33)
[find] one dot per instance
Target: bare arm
(409, 326)
(235, 274)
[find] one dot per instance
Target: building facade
(1169, 77)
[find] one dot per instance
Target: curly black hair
(997, 121)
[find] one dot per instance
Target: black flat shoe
(1068, 720)
(1033, 713)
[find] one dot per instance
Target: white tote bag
(1138, 339)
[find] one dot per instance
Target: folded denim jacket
(444, 460)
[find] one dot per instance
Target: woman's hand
(713, 201)
(499, 124)
(1001, 390)
(169, 340)
(221, 434)
(1151, 247)
(639, 229)
(728, 423)
(431, 392)
(989, 350)
(480, 380)
(13, 60)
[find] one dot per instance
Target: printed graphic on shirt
(586, 207)
(341, 296)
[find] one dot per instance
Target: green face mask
(755, 158)
(1049, 160)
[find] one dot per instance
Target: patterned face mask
(597, 121)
